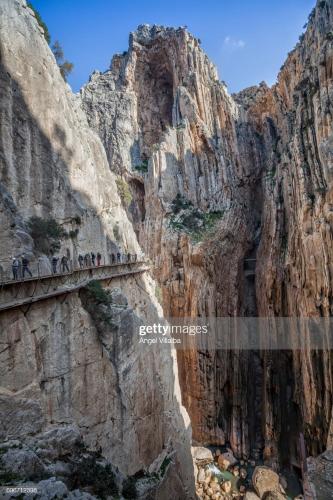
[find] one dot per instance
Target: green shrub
(129, 488)
(101, 478)
(210, 218)
(97, 292)
(8, 478)
(271, 173)
(96, 300)
(124, 191)
(180, 203)
(164, 465)
(73, 233)
(40, 22)
(143, 167)
(46, 234)
(77, 220)
(192, 221)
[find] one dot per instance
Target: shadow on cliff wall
(34, 159)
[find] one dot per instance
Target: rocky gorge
(230, 196)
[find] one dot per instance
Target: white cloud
(233, 43)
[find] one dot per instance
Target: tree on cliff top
(65, 66)
(40, 22)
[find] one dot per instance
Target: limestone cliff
(195, 183)
(221, 183)
(55, 368)
(294, 270)
(230, 196)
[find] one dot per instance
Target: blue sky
(248, 40)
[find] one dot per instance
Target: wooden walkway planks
(18, 302)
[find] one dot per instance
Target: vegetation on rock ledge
(97, 293)
(46, 234)
(100, 477)
(143, 167)
(40, 22)
(188, 219)
(124, 191)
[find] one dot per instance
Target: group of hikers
(126, 257)
(89, 260)
(20, 266)
(63, 264)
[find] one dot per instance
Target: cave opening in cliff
(154, 83)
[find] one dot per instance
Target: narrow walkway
(28, 291)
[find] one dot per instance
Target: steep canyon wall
(221, 183)
(57, 369)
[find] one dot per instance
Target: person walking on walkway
(118, 257)
(64, 264)
(15, 268)
(128, 257)
(87, 261)
(80, 259)
(19, 272)
(113, 258)
(54, 264)
(25, 266)
(93, 257)
(99, 258)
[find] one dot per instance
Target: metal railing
(15, 293)
(43, 266)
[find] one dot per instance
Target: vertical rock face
(294, 270)
(51, 163)
(201, 184)
(56, 369)
(59, 367)
(221, 182)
